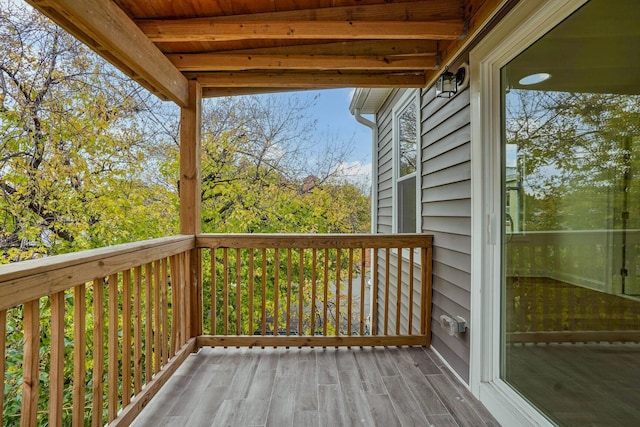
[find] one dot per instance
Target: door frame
(522, 26)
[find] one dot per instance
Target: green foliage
(576, 153)
(74, 144)
(264, 171)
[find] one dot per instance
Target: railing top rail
(25, 281)
(311, 241)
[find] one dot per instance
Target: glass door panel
(571, 207)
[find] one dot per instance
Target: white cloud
(355, 172)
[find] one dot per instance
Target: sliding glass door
(571, 218)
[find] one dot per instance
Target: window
(406, 121)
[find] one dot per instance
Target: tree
(265, 170)
(576, 157)
(74, 147)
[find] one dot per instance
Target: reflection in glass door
(571, 206)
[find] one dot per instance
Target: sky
(332, 113)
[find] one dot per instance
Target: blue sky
(335, 123)
(332, 112)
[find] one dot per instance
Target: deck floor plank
(313, 387)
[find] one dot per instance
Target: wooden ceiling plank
(323, 80)
(190, 30)
(338, 47)
(232, 62)
(109, 31)
(424, 10)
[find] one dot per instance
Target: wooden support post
(190, 221)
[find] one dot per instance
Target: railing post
(190, 185)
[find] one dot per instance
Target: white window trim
(411, 95)
(525, 24)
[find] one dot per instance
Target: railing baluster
(126, 337)
(176, 302)
(157, 325)
(276, 290)
(30, 371)
(112, 366)
(137, 330)
(301, 293)
(264, 291)
(148, 323)
(250, 297)
(349, 291)
(338, 286)
(374, 297)
(3, 348)
(411, 278)
(98, 352)
(225, 291)
(314, 277)
(238, 294)
(326, 291)
(79, 354)
(289, 279)
(214, 293)
(56, 376)
(387, 280)
(399, 290)
(165, 311)
(363, 260)
(185, 297)
(288, 320)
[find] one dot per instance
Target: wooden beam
(236, 62)
(320, 80)
(212, 29)
(215, 92)
(190, 124)
(106, 29)
(480, 13)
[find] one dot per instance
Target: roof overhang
(368, 100)
(258, 46)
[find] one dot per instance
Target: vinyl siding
(446, 214)
(384, 120)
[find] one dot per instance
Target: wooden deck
(580, 384)
(314, 387)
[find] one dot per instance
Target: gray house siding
(385, 167)
(446, 213)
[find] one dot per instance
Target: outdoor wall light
(448, 83)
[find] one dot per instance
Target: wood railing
(567, 286)
(544, 310)
(89, 337)
(588, 258)
(313, 290)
